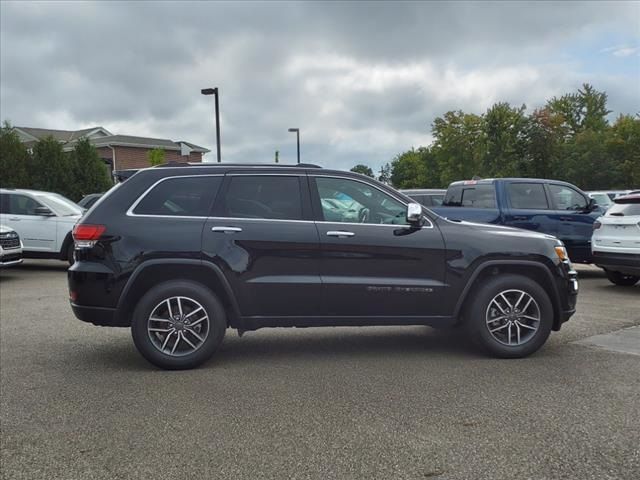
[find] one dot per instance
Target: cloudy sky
(363, 81)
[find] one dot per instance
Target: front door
(373, 263)
(263, 237)
(573, 220)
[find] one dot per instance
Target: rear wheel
(621, 279)
(178, 325)
(510, 316)
(70, 250)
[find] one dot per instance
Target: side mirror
(414, 213)
(44, 212)
(592, 205)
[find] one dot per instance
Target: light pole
(214, 91)
(297, 130)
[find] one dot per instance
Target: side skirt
(254, 323)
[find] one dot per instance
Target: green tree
(14, 159)
(51, 169)
(408, 170)
(459, 145)
(504, 128)
(623, 147)
(156, 156)
(586, 109)
(364, 170)
(542, 138)
(384, 175)
(91, 174)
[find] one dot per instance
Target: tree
(542, 137)
(91, 174)
(623, 147)
(14, 159)
(364, 170)
(156, 156)
(504, 133)
(51, 169)
(586, 109)
(384, 175)
(459, 145)
(408, 170)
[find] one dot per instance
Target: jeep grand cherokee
(181, 254)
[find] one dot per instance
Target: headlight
(562, 253)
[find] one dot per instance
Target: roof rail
(308, 165)
(173, 164)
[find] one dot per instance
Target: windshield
(60, 205)
(624, 210)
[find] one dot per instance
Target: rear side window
(566, 198)
(264, 196)
(181, 197)
(472, 196)
(624, 210)
(529, 196)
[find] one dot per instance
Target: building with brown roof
(120, 152)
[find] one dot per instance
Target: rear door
(263, 236)
(373, 263)
(528, 207)
(572, 220)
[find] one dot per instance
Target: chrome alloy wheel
(178, 326)
(513, 317)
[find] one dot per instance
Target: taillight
(596, 225)
(86, 235)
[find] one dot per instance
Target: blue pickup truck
(546, 206)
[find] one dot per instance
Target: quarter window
(566, 198)
(350, 201)
(184, 197)
(271, 197)
(527, 196)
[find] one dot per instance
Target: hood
(502, 230)
(5, 229)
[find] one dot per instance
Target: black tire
(621, 279)
(477, 310)
(191, 291)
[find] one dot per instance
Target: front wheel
(178, 325)
(510, 316)
(621, 279)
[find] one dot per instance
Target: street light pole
(297, 130)
(214, 91)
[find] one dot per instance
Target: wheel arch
(154, 272)
(68, 239)
(536, 271)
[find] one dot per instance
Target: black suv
(180, 254)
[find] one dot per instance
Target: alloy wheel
(513, 317)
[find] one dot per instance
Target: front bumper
(9, 258)
(626, 263)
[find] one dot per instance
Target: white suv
(10, 247)
(42, 219)
(616, 241)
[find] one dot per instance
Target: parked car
(429, 197)
(602, 199)
(43, 220)
(182, 254)
(617, 193)
(545, 206)
(616, 241)
(10, 247)
(88, 200)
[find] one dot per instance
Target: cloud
(363, 81)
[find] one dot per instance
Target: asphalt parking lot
(78, 402)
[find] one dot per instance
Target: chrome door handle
(226, 229)
(340, 233)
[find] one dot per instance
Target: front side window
(182, 197)
(16, 204)
(527, 196)
(350, 201)
(566, 198)
(264, 196)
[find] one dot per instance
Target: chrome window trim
(377, 188)
(146, 192)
